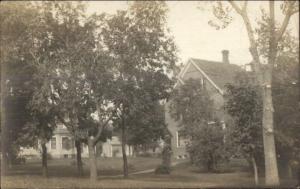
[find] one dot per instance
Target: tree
(147, 126)
(192, 107)
(142, 51)
(263, 63)
(243, 103)
(285, 95)
(18, 22)
(80, 77)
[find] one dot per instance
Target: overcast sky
(194, 37)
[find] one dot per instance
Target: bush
(163, 170)
(208, 149)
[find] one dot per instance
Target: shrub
(163, 169)
(208, 149)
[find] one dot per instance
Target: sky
(195, 38)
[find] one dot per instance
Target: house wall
(192, 72)
(111, 148)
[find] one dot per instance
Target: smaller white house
(62, 145)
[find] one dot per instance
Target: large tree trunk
(4, 136)
(93, 160)
(289, 171)
(166, 153)
(99, 149)
(271, 169)
(44, 158)
(78, 158)
(4, 149)
(255, 170)
(125, 163)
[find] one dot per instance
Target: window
(181, 139)
(53, 143)
(66, 143)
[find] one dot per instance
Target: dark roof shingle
(220, 73)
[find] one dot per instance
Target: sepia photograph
(150, 94)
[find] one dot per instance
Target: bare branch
(245, 6)
(236, 7)
(286, 21)
(34, 57)
(102, 127)
(253, 45)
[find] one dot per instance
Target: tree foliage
(286, 97)
(264, 51)
(244, 105)
(192, 107)
(143, 53)
(84, 71)
(18, 22)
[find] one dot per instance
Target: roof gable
(220, 73)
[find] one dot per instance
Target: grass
(63, 175)
(106, 166)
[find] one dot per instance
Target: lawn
(67, 167)
(63, 175)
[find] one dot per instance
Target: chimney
(225, 56)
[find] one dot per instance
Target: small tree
(192, 107)
(147, 125)
(142, 53)
(243, 103)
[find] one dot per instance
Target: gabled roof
(219, 72)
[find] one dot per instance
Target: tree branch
(102, 127)
(34, 57)
(67, 124)
(286, 20)
(245, 6)
(283, 27)
(253, 45)
(236, 7)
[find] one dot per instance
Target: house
(214, 76)
(62, 145)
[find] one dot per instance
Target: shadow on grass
(68, 168)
